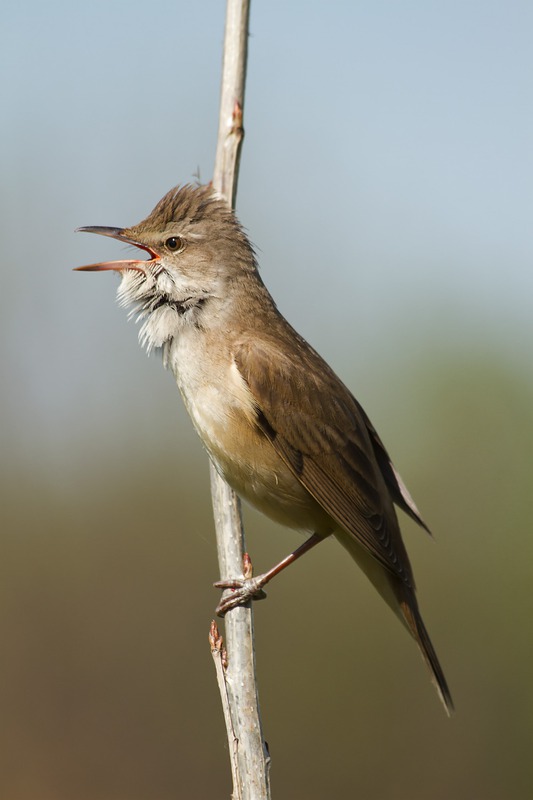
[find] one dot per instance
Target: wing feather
(322, 434)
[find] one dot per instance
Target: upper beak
(117, 233)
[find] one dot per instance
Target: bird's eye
(174, 243)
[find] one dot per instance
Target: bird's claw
(241, 591)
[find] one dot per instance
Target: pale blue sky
(386, 181)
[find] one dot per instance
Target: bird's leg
(248, 588)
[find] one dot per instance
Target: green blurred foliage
(106, 681)
(386, 182)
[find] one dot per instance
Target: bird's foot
(241, 591)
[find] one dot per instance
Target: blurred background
(387, 183)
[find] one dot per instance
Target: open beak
(118, 266)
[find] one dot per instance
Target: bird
(279, 425)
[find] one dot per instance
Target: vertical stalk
(250, 760)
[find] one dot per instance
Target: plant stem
(249, 756)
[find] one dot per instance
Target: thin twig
(221, 663)
(237, 681)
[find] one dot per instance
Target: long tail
(415, 624)
(403, 602)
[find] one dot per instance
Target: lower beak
(118, 266)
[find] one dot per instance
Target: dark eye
(174, 243)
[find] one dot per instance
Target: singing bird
(279, 425)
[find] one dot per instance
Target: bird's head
(195, 247)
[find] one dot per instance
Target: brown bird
(279, 425)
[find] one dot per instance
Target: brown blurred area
(386, 183)
(106, 681)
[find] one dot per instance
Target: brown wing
(321, 433)
(397, 488)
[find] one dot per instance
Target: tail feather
(402, 600)
(415, 623)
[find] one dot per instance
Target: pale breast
(223, 412)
